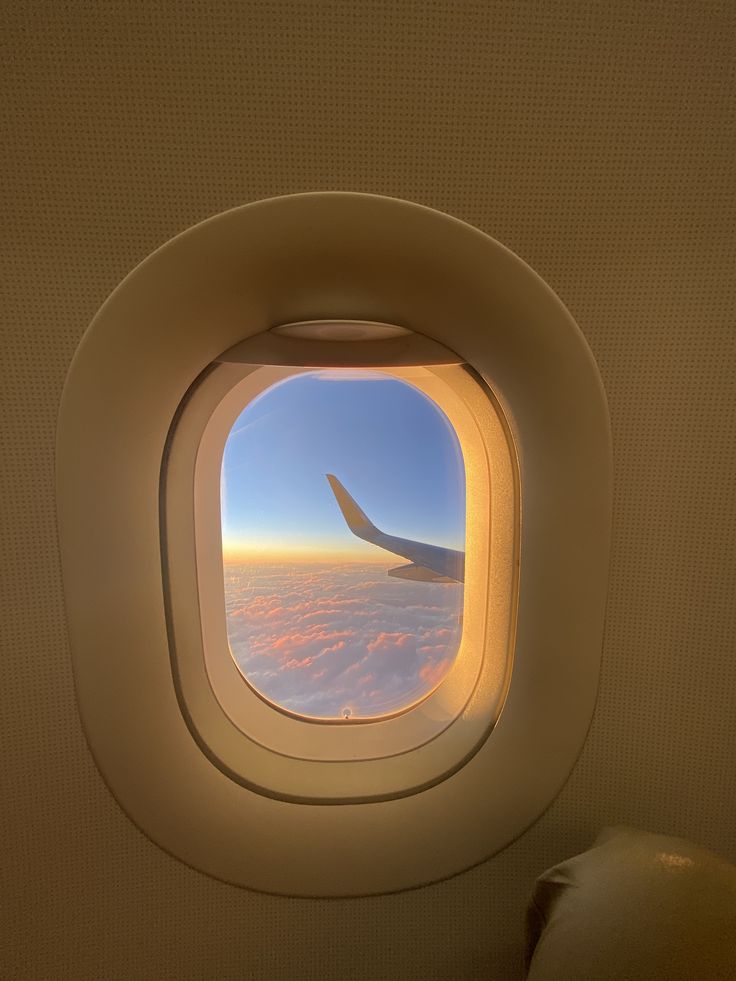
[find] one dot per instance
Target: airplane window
(343, 530)
(370, 545)
(340, 605)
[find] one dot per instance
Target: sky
(314, 621)
(389, 444)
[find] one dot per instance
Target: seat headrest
(635, 906)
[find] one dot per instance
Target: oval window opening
(343, 531)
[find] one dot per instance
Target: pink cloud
(434, 673)
(296, 640)
(317, 640)
(337, 601)
(362, 586)
(335, 647)
(386, 641)
(318, 613)
(259, 601)
(259, 607)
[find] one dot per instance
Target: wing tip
(356, 519)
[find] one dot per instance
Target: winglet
(356, 519)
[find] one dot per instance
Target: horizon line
(234, 556)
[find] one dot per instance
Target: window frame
(244, 734)
(292, 259)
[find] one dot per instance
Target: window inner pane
(343, 527)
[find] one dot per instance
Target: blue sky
(389, 444)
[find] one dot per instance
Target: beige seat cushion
(635, 907)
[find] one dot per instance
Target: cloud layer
(326, 640)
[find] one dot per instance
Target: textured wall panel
(597, 141)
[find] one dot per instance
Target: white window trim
(299, 258)
(368, 760)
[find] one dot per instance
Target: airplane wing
(427, 563)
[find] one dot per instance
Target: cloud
(339, 646)
(318, 639)
(434, 673)
(387, 642)
(292, 642)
